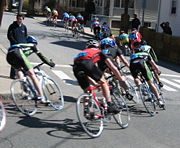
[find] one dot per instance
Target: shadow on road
(169, 65)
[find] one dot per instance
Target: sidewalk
(5, 81)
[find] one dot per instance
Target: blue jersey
(65, 16)
(80, 17)
(105, 27)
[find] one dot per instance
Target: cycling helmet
(137, 44)
(92, 44)
(107, 42)
(31, 39)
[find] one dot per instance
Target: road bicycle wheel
(92, 124)
(53, 94)
(123, 117)
(76, 33)
(2, 116)
(133, 91)
(23, 97)
(148, 99)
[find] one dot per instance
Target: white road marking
(62, 76)
(170, 75)
(176, 80)
(171, 83)
(169, 88)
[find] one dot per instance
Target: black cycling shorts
(140, 66)
(18, 60)
(84, 68)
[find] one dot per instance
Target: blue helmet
(31, 39)
(107, 42)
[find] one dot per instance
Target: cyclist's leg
(35, 81)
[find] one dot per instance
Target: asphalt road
(51, 129)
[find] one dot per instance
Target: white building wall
(173, 19)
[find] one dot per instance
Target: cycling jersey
(105, 28)
(55, 13)
(89, 54)
(17, 55)
(108, 41)
(95, 24)
(84, 65)
(48, 10)
(150, 51)
(138, 63)
(65, 16)
(135, 36)
(80, 17)
(124, 38)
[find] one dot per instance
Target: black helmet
(92, 44)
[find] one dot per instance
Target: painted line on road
(167, 88)
(171, 83)
(62, 76)
(170, 75)
(176, 80)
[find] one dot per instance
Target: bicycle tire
(133, 91)
(147, 100)
(123, 117)
(2, 116)
(93, 127)
(23, 97)
(53, 93)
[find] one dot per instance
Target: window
(173, 6)
(131, 3)
(116, 3)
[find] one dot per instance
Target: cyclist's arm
(114, 69)
(155, 66)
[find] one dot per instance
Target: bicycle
(2, 116)
(147, 96)
(131, 86)
(25, 96)
(75, 32)
(96, 107)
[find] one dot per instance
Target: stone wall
(167, 47)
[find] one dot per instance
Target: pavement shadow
(70, 128)
(79, 45)
(6, 77)
(70, 99)
(170, 65)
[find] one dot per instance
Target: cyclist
(95, 26)
(86, 70)
(105, 28)
(124, 42)
(54, 16)
(17, 57)
(138, 63)
(72, 21)
(148, 49)
(134, 36)
(65, 19)
(80, 19)
(48, 13)
(109, 48)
